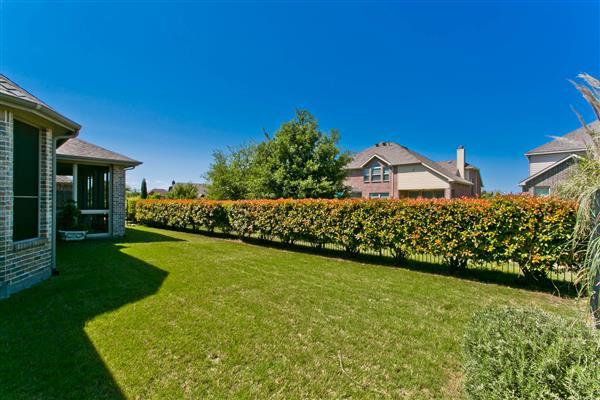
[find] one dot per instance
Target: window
(355, 195)
(26, 186)
(379, 195)
(376, 174)
(386, 174)
(541, 191)
(366, 175)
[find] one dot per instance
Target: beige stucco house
(390, 170)
(550, 163)
(32, 169)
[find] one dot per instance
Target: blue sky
(169, 82)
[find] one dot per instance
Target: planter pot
(71, 236)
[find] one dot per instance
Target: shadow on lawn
(480, 275)
(45, 352)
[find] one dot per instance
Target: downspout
(54, 230)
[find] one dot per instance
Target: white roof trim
(583, 149)
(548, 168)
(376, 156)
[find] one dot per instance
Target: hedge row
(534, 232)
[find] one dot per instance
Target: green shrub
(530, 354)
(131, 204)
(532, 231)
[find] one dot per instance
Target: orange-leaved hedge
(535, 232)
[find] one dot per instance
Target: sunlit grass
(163, 314)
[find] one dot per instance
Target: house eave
(548, 168)
(371, 159)
(530, 153)
(62, 157)
(41, 111)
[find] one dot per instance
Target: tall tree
(233, 173)
(299, 161)
(303, 162)
(144, 189)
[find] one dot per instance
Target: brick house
(390, 170)
(550, 163)
(30, 132)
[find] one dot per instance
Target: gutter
(40, 110)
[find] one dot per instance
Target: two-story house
(390, 170)
(550, 163)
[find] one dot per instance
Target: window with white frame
(541, 191)
(376, 174)
(382, 195)
(366, 175)
(386, 174)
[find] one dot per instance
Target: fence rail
(561, 275)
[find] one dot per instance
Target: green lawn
(162, 314)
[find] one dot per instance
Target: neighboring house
(550, 163)
(30, 132)
(200, 187)
(158, 191)
(389, 170)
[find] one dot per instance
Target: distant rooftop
(577, 140)
(396, 154)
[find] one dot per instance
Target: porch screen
(92, 187)
(26, 175)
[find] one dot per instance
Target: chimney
(460, 161)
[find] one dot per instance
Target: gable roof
(14, 94)
(577, 140)
(396, 154)
(549, 168)
(158, 191)
(77, 149)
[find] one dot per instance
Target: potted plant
(70, 227)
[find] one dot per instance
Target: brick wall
(355, 181)
(550, 178)
(23, 264)
(118, 201)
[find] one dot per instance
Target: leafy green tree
(144, 189)
(303, 162)
(238, 173)
(183, 191)
(299, 161)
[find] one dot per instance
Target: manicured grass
(163, 314)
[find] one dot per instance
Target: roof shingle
(578, 140)
(397, 154)
(77, 149)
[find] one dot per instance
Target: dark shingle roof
(578, 140)
(450, 165)
(15, 93)
(77, 149)
(10, 88)
(396, 154)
